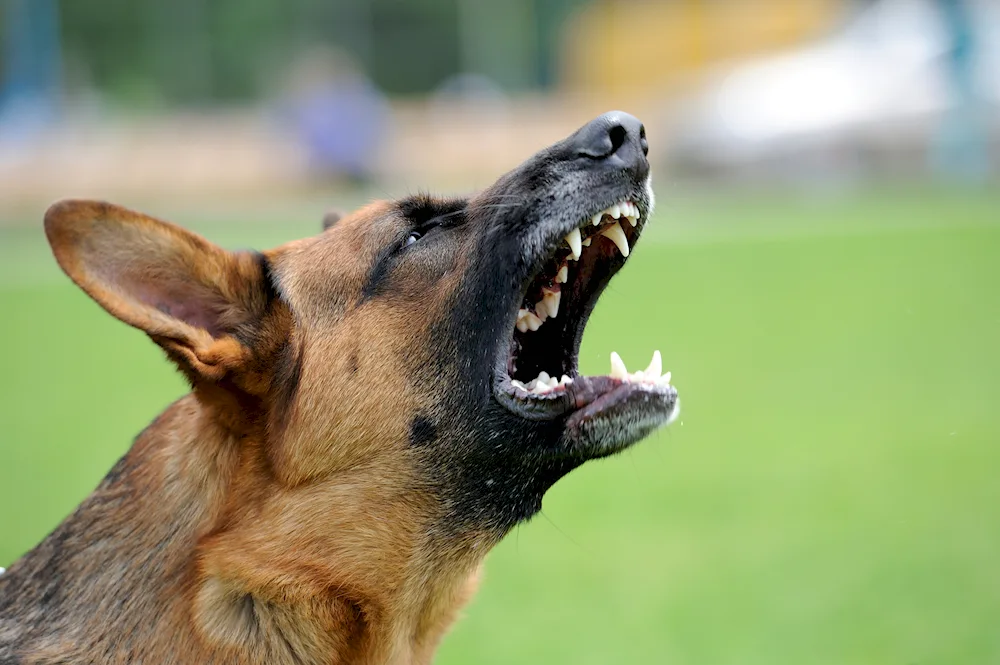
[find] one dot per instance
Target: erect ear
(331, 217)
(201, 303)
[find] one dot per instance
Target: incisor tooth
(565, 380)
(573, 240)
(563, 274)
(543, 377)
(550, 300)
(596, 219)
(617, 236)
(618, 370)
(665, 379)
(518, 384)
(655, 367)
(633, 220)
(616, 211)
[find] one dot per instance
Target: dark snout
(615, 139)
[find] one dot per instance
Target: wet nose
(615, 137)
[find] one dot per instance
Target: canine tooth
(573, 240)
(550, 301)
(596, 219)
(563, 275)
(655, 367)
(534, 323)
(618, 370)
(617, 236)
(587, 241)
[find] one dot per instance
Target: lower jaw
(602, 414)
(619, 418)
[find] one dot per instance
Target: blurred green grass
(829, 495)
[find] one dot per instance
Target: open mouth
(539, 379)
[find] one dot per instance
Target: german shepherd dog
(372, 409)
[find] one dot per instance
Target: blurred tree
(195, 51)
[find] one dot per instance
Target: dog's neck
(165, 553)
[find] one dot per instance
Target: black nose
(615, 136)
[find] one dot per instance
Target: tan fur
(294, 538)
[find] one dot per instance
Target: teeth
(541, 311)
(522, 320)
(543, 383)
(574, 242)
(596, 219)
(587, 241)
(563, 275)
(618, 370)
(527, 320)
(632, 213)
(655, 367)
(649, 376)
(617, 236)
(615, 211)
(550, 302)
(518, 384)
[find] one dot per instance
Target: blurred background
(822, 276)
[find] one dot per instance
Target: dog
(372, 409)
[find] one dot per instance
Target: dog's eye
(412, 238)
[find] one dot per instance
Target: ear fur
(331, 217)
(193, 298)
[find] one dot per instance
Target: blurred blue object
(339, 115)
(30, 91)
(961, 148)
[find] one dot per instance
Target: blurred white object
(880, 87)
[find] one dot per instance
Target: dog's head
(423, 351)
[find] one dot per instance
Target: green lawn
(830, 494)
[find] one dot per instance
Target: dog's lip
(587, 398)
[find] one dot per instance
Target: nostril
(643, 143)
(617, 134)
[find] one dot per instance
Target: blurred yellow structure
(635, 48)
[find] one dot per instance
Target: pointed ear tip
(66, 211)
(331, 218)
